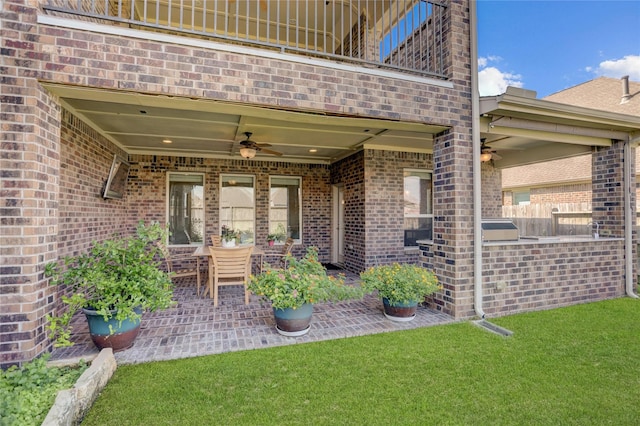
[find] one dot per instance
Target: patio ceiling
(139, 123)
(525, 130)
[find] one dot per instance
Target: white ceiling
(139, 123)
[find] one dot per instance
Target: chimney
(625, 90)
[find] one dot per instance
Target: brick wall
(147, 188)
(491, 191)
(384, 205)
(527, 277)
(29, 179)
(349, 173)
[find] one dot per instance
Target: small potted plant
(271, 239)
(278, 235)
(293, 291)
(113, 284)
(229, 236)
(401, 287)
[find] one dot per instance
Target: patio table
(201, 251)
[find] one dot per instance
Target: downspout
(628, 234)
(476, 167)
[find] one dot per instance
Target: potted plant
(293, 291)
(113, 284)
(278, 235)
(401, 287)
(229, 236)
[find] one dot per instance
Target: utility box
(499, 230)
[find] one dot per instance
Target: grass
(569, 366)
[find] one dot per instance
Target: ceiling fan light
(247, 152)
(485, 156)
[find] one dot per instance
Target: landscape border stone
(71, 405)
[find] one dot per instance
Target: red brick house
(370, 106)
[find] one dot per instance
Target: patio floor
(194, 327)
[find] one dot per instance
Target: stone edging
(72, 405)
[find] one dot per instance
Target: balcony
(399, 35)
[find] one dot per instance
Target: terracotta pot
(124, 335)
(400, 311)
(293, 322)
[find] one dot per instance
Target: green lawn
(569, 366)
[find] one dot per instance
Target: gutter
(628, 216)
(477, 166)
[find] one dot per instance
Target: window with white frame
(237, 205)
(185, 208)
(285, 212)
(418, 206)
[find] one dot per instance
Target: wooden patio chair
(281, 258)
(229, 266)
(181, 265)
(216, 241)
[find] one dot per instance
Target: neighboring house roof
(602, 93)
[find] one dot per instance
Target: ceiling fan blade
(495, 156)
(262, 145)
(268, 151)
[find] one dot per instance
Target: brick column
(453, 223)
(608, 189)
(29, 157)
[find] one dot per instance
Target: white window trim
(255, 190)
(300, 218)
(204, 207)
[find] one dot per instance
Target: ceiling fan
(249, 148)
(486, 153)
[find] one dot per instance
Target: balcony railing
(404, 35)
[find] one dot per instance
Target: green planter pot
(401, 312)
(124, 335)
(293, 322)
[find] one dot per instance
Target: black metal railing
(405, 35)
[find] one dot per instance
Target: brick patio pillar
(29, 186)
(608, 189)
(453, 223)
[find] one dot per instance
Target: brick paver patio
(194, 327)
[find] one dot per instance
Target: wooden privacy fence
(550, 219)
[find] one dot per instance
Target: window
(285, 214)
(521, 198)
(237, 205)
(418, 207)
(186, 208)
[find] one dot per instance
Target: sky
(549, 46)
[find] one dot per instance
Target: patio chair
(229, 266)
(181, 265)
(280, 258)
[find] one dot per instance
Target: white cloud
(616, 68)
(492, 81)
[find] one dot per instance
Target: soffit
(138, 123)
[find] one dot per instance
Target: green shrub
(27, 393)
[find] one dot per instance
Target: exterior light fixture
(485, 156)
(247, 152)
(167, 141)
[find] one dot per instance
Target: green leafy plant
(302, 281)
(120, 274)
(278, 234)
(27, 393)
(400, 283)
(229, 234)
